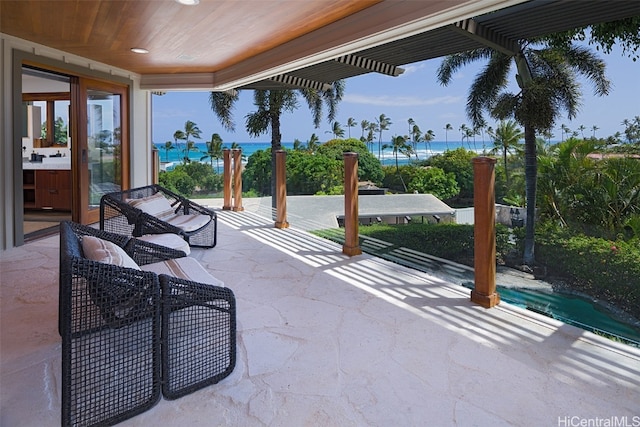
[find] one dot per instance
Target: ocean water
(172, 157)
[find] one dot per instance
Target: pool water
(574, 310)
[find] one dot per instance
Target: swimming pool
(572, 309)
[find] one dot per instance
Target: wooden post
(281, 189)
(484, 235)
(351, 245)
(226, 156)
(237, 180)
(155, 166)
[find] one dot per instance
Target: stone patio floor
(328, 340)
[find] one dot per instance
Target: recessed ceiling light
(139, 50)
(188, 2)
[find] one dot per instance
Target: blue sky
(415, 94)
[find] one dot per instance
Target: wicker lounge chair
(156, 210)
(132, 329)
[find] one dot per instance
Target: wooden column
(155, 166)
(226, 161)
(484, 235)
(281, 189)
(351, 245)
(237, 180)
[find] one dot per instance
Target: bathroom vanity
(47, 184)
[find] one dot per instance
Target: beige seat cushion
(168, 240)
(100, 250)
(156, 205)
(188, 223)
(184, 268)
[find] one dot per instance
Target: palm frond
(450, 64)
(222, 104)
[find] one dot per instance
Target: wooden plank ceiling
(208, 37)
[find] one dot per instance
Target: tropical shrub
(178, 181)
(420, 179)
(369, 167)
(458, 162)
(317, 172)
(602, 268)
(191, 179)
(574, 189)
(450, 241)
(309, 173)
(257, 173)
(434, 181)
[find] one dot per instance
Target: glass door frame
(20, 58)
(87, 214)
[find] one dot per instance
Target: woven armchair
(125, 212)
(130, 336)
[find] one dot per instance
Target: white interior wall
(11, 151)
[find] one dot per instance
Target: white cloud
(413, 68)
(400, 101)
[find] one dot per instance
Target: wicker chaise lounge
(138, 321)
(153, 210)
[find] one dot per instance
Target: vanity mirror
(53, 118)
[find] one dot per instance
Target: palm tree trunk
(506, 171)
(530, 173)
(276, 139)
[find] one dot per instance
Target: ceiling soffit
(504, 29)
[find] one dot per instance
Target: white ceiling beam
(370, 65)
(300, 82)
(486, 36)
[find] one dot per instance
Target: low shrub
(605, 269)
(449, 241)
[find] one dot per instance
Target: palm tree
(372, 129)
(546, 77)
(399, 145)
(581, 128)
(188, 148)
(351, 122)
(447, 128)
(364, 124)
(313, 143)
(214, 150)
(271, 104)
(427, 138)
(465, 132)
(383, 123)
(336, 130)
(178, 136)
(594, 128)
(506, 141)
(416, 137)
(490, 132)
(168, 146)
(564, 129)
(191, 130)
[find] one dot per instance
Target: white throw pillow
(156, 205)
(106, 252)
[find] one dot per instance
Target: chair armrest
(123, 295)
(144, 253)
(190, 207)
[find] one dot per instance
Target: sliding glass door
(103, 144)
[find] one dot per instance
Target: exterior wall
(10, 151)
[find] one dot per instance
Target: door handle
(84, 156)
